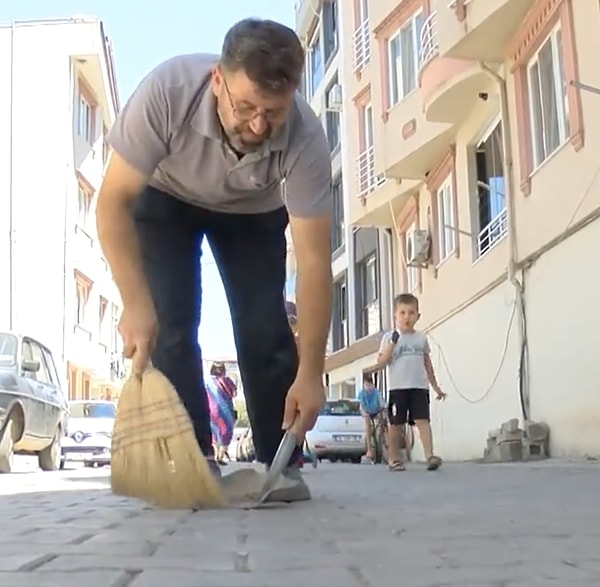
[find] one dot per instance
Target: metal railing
(492, 233)
(368, 181)
(361, 43)
(429, 40)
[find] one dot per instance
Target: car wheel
(63, 462)
(50, 458)
(7, 447)
(356, 460)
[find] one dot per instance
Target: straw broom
(155, 455)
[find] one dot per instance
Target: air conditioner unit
(417, 248)
(335, 98)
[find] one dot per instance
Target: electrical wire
(502, 361)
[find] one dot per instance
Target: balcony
(306, 11)
(478, 30)
(378, 198)
(361, 47)
(448, 86)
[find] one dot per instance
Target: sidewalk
(468, 525)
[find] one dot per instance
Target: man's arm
(308, 199)
(138, 140)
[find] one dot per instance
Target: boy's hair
(367, 378)
(406, 299)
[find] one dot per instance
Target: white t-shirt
(406, 369)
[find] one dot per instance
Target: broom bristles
(155, 454)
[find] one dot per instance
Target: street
(468, 524)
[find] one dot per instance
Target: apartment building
(465, 121)
(361, 255)
(58, 99)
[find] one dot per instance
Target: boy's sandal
(396, 466)
(433, 463)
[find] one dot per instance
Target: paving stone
(467, 525)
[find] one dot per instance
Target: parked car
(33, 408)
(339, 433)
(89, 432)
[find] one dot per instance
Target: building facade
(59, 99)
(465, 122)
(361, 254)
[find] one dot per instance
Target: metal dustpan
(280, 462)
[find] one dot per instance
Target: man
(225, 148)
(371, 407)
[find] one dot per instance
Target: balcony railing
(492, 234)
(429, 40)
(362, 46)
(368, 180)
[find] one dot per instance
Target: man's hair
(269, 53)
(407, 299)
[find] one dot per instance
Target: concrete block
(505, 436)
(494, 433)
(536, 431)
(511, 451)
(534, 451)
(510, 425)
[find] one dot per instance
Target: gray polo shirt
(170, 131)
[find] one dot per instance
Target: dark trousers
(250, 252)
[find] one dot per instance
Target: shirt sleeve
(308, 189)
(385, 339)
(426, 347)
(140, 134)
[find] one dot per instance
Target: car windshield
(341, 408)
(92, 410)
(8, 349)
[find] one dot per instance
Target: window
(105, 146)
(8, 349)
(316, 66)
(361, 40)
(341, 407)
(115, 343)
(332, 121)
(34, 352)
(491, 198)
(339, 326)
(411, 273)
(92, 410)
(367, 124)
(82, 295)
(403, 59)
(445, 221)
(84, 206)
(338, 224)
(330, 29)
(548, 99)
(86, 113)
(369, 314)
(103, 323)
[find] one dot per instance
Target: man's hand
(303, 403)
(138, 327)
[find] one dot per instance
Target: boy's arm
(361, 403)
(430, 372)
(386, 350)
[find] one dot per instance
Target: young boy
(407, 354)
(371, 406)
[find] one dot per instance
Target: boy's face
(406, 316)
(369, 386)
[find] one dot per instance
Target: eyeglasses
(248, 113)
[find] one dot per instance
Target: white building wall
(39, 156)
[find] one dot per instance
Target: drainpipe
(68, 181)
(512, 232)
(11, 208)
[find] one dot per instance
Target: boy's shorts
(408, 405)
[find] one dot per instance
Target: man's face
(249, 115)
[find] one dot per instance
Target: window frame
(560, 98)
(396, 91)
(446, 227)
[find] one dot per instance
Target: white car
(339, 433)
(89, 432)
